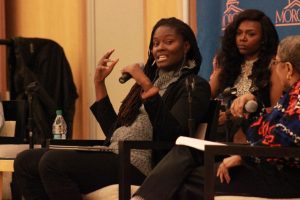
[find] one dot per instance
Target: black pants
(180, 176)
(64, 174)
(169, 174)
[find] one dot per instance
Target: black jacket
(168, 114)
(39, 68)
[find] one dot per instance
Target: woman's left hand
(138, 75)
(223, 169)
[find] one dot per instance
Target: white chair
(7, 154)
(12, 141)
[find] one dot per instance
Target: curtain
(3, 82)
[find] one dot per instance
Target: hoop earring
(153, 63)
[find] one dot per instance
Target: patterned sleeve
(280, 127)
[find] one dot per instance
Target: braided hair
(232, 59)
(130, 106)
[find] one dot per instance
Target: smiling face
(168, 48)
(249, 38)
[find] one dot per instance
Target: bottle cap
(58, 112)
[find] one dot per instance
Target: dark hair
(219, 57)
(132, 102)
(232, 59)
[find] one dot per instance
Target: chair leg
(15, 189)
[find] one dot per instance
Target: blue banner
(214, 15)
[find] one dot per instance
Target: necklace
(243, 83)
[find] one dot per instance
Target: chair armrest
(211, 151)
(12, 140)
(74, 142)
(124, 151)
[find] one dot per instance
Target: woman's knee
(187, 154)
(21, 160)
(52, 161)
(28, 160)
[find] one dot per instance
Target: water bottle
(59, 127)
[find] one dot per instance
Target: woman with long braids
(155, 109)
(248, 46)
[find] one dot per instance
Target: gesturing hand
(138, 75)
(104, 67)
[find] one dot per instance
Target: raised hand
(104, 67)
(138, 75)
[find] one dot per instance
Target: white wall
(114, 24)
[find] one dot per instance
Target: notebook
(195, 143)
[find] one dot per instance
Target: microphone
(190, 84)
(126, 76)
(251, 106)
(229, 91)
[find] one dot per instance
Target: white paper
(195, 143)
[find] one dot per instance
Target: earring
(192, 63)
(183, 61)
(154, 62)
